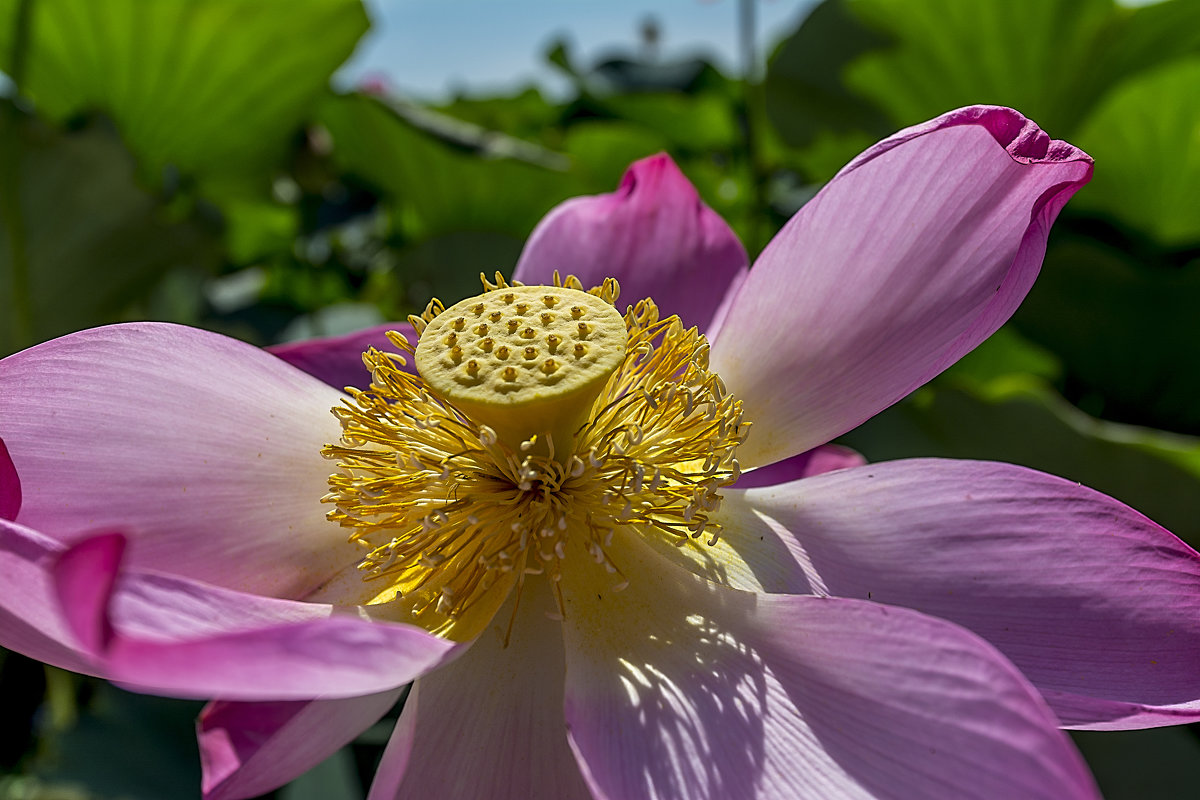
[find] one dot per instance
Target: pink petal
(85, 576)
(173, 635)
(490, 724)
(10, 486)
(654, 235)
(914, 254)
(31, 620)
(195, 640)
(678, 688)
(1097, 605)
(825, 458)
(337, 360)
(204, 450)
(248, 749)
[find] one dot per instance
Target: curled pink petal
(248, 749)
(31, 620)
(679, 688)
(10, 486)
(337, 360)
(203, 450)
(654, 235)
(911, 256)
(1098, 606)
(490, 724)
(1080, 712)
(177, 636)
(85, 575)
(80, 608)
(1021, 137)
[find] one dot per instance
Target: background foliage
(187, 160)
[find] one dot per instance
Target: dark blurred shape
(639, 69)
(622, 74)
(651, 34)
(1124, 320)
(1143, 765)
(127, 745)
(22, 685)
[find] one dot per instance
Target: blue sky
(426, 48)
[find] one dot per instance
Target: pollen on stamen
(459, 497)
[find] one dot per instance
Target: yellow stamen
(465, 481)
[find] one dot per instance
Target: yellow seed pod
(515, 379)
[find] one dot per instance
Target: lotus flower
(621, 563)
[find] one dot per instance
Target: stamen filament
(453, 511)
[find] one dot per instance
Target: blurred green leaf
(93, 240)
(1145, 764)
(726, 187)
(255, 229)
(1004, 354)
(526, 114)
(1128, 332)
(1039, 56)
(1146, 36)
(806, 95)
(437, 187)
(1020, 421)
(181, 296)
(603, 149)
(205, 85)
(127, 745)
(697, 123)
(1145, 138)
(448, 266)
(829, 152)
(335, 777)
(869, 66)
